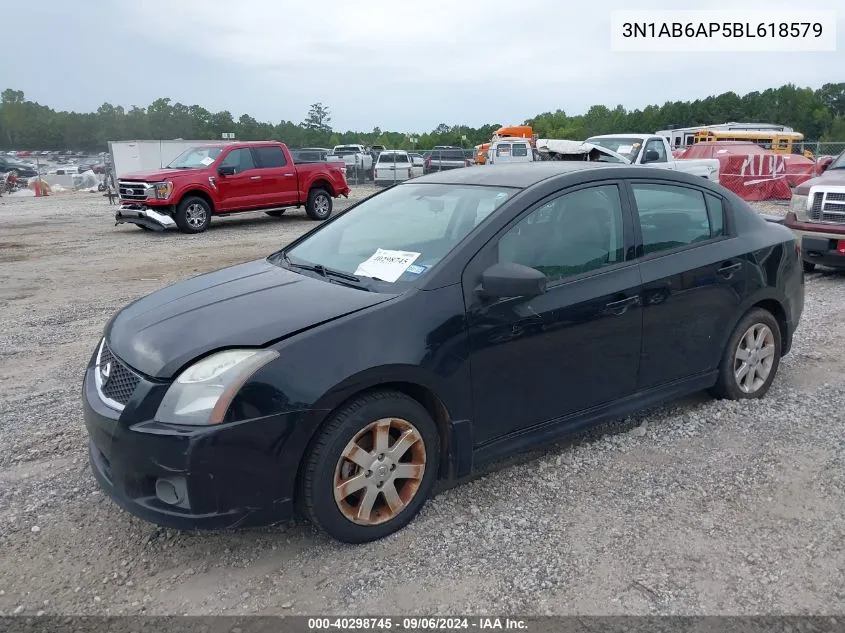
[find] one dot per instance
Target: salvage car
(231, 178)
(655, 151)
(430, 329)
(817, 216)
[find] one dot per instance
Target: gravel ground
(702, 507)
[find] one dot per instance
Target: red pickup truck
(228, 178)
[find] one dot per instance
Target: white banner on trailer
(134, 156)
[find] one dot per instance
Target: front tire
(751, 358)
(372, 467)
(193, 215)
(319, 204)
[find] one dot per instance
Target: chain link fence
(388, 167)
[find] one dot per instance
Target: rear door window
(270, 157)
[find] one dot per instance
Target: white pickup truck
(654, 151)
(359, 161)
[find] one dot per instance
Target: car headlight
(163, 190)
(798, 206)
(202, 393)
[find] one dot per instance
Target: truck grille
(120, 382)
(132, 190)
(829, 207)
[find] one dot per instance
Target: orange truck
(508, 131)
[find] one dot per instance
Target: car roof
(631, 135)
(519, 175)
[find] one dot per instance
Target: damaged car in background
(628, 149)
(218, 180)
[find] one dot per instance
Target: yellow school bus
(778, 142)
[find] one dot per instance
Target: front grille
(120, 382)
(828, 207)
(132, 190)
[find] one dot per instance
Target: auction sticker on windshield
(386, 265)
(207, 161)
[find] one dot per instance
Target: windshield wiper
(322, 270)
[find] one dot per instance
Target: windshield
(343, 151)
(838, 162)
(398, 235)
(195, 158)
(627, 147)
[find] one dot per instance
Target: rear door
(278, 182)
(694, 274)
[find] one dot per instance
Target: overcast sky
(400, 65)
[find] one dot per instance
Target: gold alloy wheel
(754, 358)
(379, 471)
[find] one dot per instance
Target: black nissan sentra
(443, 323)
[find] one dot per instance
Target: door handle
(255, 177)
(288, 175)
(621, 306)
(727, 270)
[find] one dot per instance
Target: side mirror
(651, 156)
(511, 280)
(824, 167)
(226, 170)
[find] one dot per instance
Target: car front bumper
(134, 213)
(232, 475)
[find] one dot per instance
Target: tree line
(27, 125)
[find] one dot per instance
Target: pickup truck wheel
(193, 215)
(319, 204)
(276, 213)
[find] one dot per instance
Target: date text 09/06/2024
(722, 29)
(416, 624)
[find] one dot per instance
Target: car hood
(158, 174)
(563, 149)
(248, 305)
(834, 177)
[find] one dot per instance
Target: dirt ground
(701, 507)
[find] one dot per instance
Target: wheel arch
(322, 183)
(768, 299)
(413, 385)
(198, 193)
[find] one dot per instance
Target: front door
(694, 279)
(241, 189)
(573, 348)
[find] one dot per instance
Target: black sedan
(438, 325)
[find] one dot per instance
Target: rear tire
(319, 204)
(277, 213)
(751, 358)
(809, 267)
(374, 475)
(193, 215)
